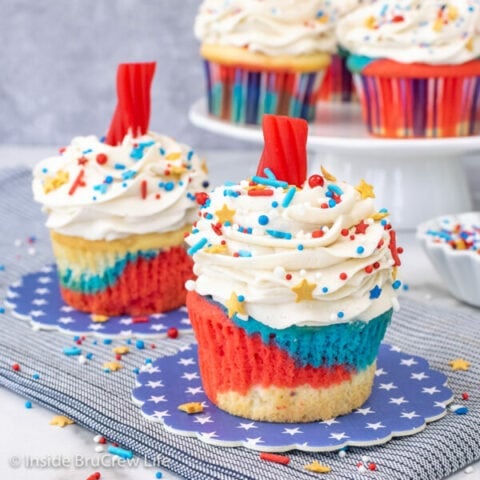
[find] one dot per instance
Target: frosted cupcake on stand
(118, 210)
(263, 56)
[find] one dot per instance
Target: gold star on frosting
(379, 215)
(203, 166)
(112, 366)
(327, 175)
(365, 189)
(304, 290)
(225, 214)
(173, 155)
(235, 306)
(61, 421)
(459, 364)
(317, 467)
(99, 318)
(56, 181)
(121, 350)
(222, 249)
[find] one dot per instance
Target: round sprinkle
(288, 276)
(140, 344)
(36, 376)
(159, 475)
(324, 289)
(241, 298)
(274, 204)
(16, 367)
(300, 247)
(340, 314)
(343, 276)
(263, 220)
(345, 232)
(28, 404)
(169, 186)
(396, 284)
(316, 181)
(360, 249)
(101, 159)
(172, 332)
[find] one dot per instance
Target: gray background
(58, 62)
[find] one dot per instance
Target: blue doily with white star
(36, 297)
(406, 396)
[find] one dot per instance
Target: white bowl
(459, 269)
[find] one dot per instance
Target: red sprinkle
(172, 332)
(465, 396)
(201, 197)
(82, 160)
(118, 356)
(288, 276)
(273, 457)
(376, 265)
(343, 276)
(316, 181)
(324, 205)
(78, 182)
(153, 345)
(260, 192)
(398, 19)
(369, 269)
(317, 234)
(345, 232)
(158, 196)
(101, 159)
(143, 187)
(217, 228)
(372, 466)
(94, 476)
(16, 367)
(102, 440)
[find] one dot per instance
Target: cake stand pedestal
(415, 179)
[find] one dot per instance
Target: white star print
(339, 436)
(157, 315)
(252, 442)
(194, 390)
(42, 291)
(330, 421)
(395, 349)
(208, 435)
(185, 321)
(183, 309)
(151, 384)
(185, 348)
(409, 415)
(190, 376)
(37, 313)
(66, 308)
(126, 333)
(46, 269)
(292, 431)
(408, 362)
(126, 321)
(157, 327)
(398, 400)
(247, 426)
(375, 426)
(149, 368)
(430, 390)
(160, 398)
(11, 294)
(17, 284)
(96, 326)
(202, 420)
(439, 404)
(379, 372)
(419, 376)
(186, 361)
(364, 411)
(39, 301)
(44, 280)
(161, 414)
(66, 320)
(387, 386)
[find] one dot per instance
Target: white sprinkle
(303, 272)
(82, 359)
(318, 275)
(361, 468)
(99, 449)
(365, 458)
(32, 251)
(279, 272)
(17, 242)
(190, 285)
(469, 470)
(342, 453)
(97, 438)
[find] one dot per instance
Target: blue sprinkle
(274, 204)
(158, 475)
(108, 179)
(329, 194)
(360, 249)
(396, 284)
(89, 150)
(71, 351)
(28, 404)
(147, 144)
(406, 287)
(102, 188)
(137, 153)
(94, 342)
(136, 370)
(269, 174)
(228, 223)
(289, 197)
(44, 170)
(124, 184)
(129, 174)
(241, 298)
(278, 234)
(2, 309)
(76, 338)
(205, 184)
(128, 341)
(270, 182)
(461, 410)
(230, 193)
(324, 289)
(89, 356)
(162, 151)
(148, 361)
(263, 220)
(119, 166)
(180, 183)
(300, 247)
(107, 341)
(208, 216)
(36, 376)
(383, 210)
(169, 186)
(121, 452)
(340, 314)
(383, 222)
(190, 155)
(229, 184)
(140, 344)
(198, 246)
(335, 189)
(332, 203)
(244, 253)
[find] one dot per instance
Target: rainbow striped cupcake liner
(243, 96)
(420, 107)
(337, 86)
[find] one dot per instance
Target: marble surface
(28, 433)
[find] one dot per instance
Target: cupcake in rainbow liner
(263, 57)
(295, 287)
(416, 67)
(118, 210)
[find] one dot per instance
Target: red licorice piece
(285, 149)
(133, 107)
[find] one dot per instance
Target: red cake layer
(145, 286)
(230, 359)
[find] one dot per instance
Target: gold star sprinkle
(191, 407)
(121, 350)
(203, 166)
(99, 318)
(61, 421)
(235, 306)
(459, 364)
(304, 290)
(317, 467)
(365, 190)
(469, 45)
(112, 366)
(173, 156)
(225, 214)
(222, 249)
(56, 181)
(379, 215)
(328, 176)
(371, 22)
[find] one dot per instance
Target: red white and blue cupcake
(295, 287)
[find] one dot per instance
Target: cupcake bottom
(242, 86)
(299, 374)
(337, 85)
(423, 102)
(136, 275)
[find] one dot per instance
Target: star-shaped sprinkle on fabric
(121, 350)
(99, 318)
(375, 292)
(365, 190)
(317, 467)
(225, 214)
(191, 407)
(61, 421)
(459, 364)
(304, 290)
(112, 366)
(235, 306)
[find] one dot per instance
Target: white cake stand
(415, 179)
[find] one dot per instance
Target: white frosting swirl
(349, 273)
(425, 31)
(144, 185)
(272, 27)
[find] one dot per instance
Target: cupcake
(295, 287)
(117, 212)
(416, 67)
(263, 57)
